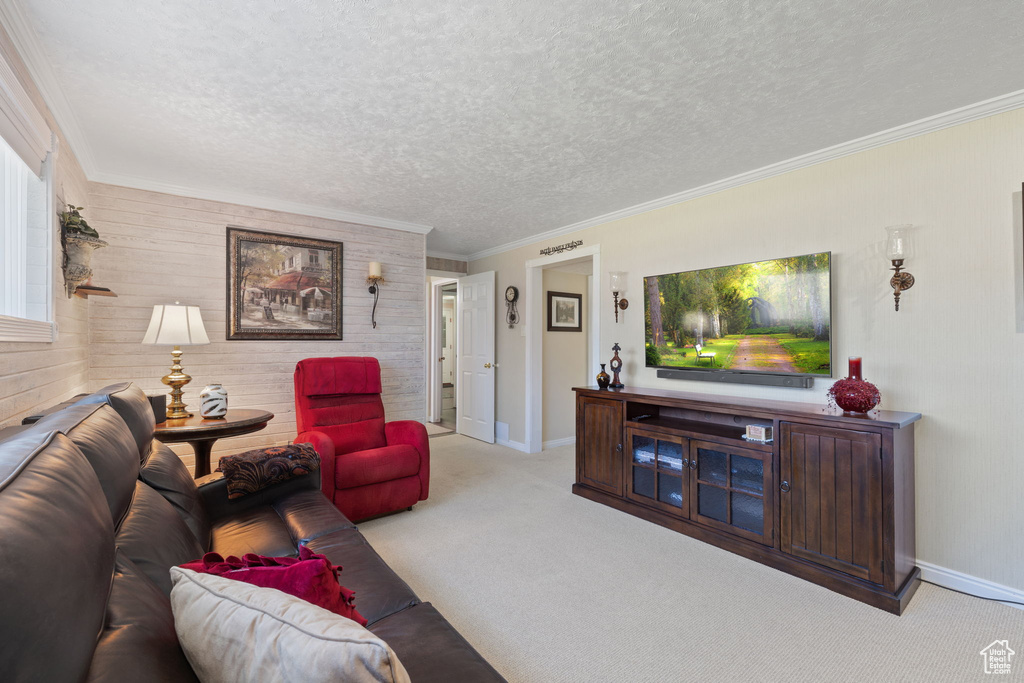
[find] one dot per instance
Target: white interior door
(474, 404)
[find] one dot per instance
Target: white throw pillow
(234, 631)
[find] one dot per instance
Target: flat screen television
(765, 318)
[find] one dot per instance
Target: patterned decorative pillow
(257, 469)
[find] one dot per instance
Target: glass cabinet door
(657, 470)
(730, 489)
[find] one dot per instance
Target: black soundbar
(737, 377)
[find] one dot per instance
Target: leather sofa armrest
(324, 446)
(414, 434)
(213, 492)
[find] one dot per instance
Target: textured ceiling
(498, 119)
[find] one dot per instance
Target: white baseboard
(555, 443)
(959, 581)
(515, 445)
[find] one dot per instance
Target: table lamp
(176, 325)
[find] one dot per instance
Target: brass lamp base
(176, 380)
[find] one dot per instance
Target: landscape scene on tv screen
(769, 316)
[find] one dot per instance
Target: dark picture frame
(565, 312)
(283, 286)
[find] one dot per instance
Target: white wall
(952, 353)
(564, 360)
(165, 248)
(37, 375)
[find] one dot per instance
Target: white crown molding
(446, 255)
(16, 22)
(955, 117)
(26, 41)
(258, 202)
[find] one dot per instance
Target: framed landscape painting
(564, 312)
(282, 286)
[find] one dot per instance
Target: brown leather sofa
(93, 513)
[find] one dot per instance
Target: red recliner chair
(368, 467)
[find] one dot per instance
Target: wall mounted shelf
(85, 292)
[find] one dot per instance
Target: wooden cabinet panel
(831, 495)
(599, 444)
(731, 489)
(830, 500)
(656, 471)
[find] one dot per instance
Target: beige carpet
(436, 428)
(551, 587)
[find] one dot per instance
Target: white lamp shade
(176, 325)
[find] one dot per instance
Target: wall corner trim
(949, 578)
(515, 445)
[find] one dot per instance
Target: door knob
(784, 486)
(487, 365)
(693, 464)
(441, 358)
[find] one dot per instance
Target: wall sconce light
(618, 282)
(374, 279)
(896, 250)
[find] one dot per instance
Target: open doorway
(537, 404)
(443, 367)
(565, 347)
(449, 322)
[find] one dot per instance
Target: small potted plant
(79, 239)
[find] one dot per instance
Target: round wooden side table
(201, 434)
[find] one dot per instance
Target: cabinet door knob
(693, 464)
(784, 486)
(618, 447)
(686, 463)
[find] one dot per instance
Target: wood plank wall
(165, 248)
(36, 375)
(447, 264)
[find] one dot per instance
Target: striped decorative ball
(213, 402)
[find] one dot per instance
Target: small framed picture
(565, 312)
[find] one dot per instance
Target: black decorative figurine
(616, 364)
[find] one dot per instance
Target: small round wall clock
(511, 297)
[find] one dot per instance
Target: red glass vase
(853, 394)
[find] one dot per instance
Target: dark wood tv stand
(830, 500)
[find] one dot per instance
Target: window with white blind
(22, 247)
(27, 216)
